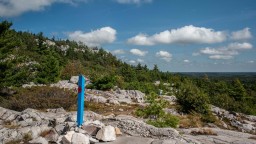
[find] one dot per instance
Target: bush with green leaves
(191, 98)
(103, 83)
(155, 112)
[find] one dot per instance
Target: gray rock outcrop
(242, 122)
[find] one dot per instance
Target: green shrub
(166, 120)
(155, 110)
(191, 98)
(104, 83)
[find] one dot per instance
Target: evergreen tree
(238, 91)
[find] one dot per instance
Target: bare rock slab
(130, 140)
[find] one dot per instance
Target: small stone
(121, 109)
(118, 131)
(74, 79)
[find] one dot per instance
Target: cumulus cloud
(241, 34)
(186, 61)
(220, 57)
(133, 1)
(184, 35)
(226, 52)
(118, 51)
(164, 55)
(94, 38)
(240, 46)
(138, 52)
(9, 8)
(251, 61)
(132, 61)
(140, 39)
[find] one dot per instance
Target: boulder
(135, 95)
(170, 98)
(67, 139)
(79, 138)
(39, 140)
(106, 134)
(113, 101)
(61, 128)
(136, 127)
(91, 129)
(97, 99)
(51, 135)
(251, 118)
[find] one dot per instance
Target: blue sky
(177, 35)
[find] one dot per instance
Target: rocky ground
(114, 123)
(59, 126)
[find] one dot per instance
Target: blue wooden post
(80, 100)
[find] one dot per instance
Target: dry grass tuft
(10, 125)
(252, 137)
(191, 120)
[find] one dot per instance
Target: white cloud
(138, 52)
(221, 57)
(251, 61)
(218, 51)
(140, 39)
(164, 55)
(133, 1)
(226, 52)
(240, 46)
(9, 8)
(184, 35)
(241, 34)
(132, 61)
(95, 38)
(140, 60)
(186, 61)
(118, 51)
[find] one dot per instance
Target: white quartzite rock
(79, 138)
(66, 139)
(74, 79)
(39, 140)
(106, 134)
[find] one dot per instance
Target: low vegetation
(155, 113)
(41, 98)
(26, 138)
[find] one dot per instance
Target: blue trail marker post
(80, 100)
